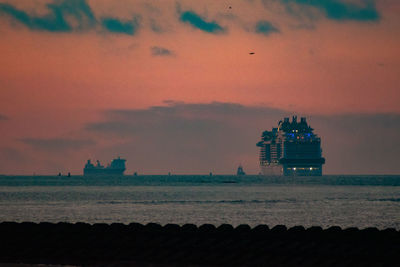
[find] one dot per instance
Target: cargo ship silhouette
(292, 149)
(116, 168)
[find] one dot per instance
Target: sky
(172, 86)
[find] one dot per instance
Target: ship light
(310, 168)
(294, 169)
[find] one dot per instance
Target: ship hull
(103, 172)
(271, 170)
(302, 170)
(302, 167)
(292, 170)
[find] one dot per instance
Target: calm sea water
(346, 201)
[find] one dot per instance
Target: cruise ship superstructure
(292, 149)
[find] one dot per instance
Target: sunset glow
(147, 79)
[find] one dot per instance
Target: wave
(386, 199)
(238, 201)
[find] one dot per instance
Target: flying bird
(251, 53)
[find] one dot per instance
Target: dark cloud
(198, 22)
(77, 15)
(115, 25)
(183, 137)
(361, 143)
(265, 27)
(339, 10)
(199, 138)
(68, 16)
(161, 51)
(155, 27)
(13, 160)
(12, 154)
(3, 117)
(57, 144)
(58, 19)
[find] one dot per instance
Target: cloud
(198, 22)
(14, 160)
(339, 10)
(185, 138)
(77, 15)
(3, 117)
(58, 19)
(161, 51)
(361, 143)
(57, 144)
(265, 27)
(115, 25)
(12, 154)
(68, 16)
(199, 138)
(155, 27)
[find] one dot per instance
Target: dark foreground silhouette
(173, 245)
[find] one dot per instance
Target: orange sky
(52, 84)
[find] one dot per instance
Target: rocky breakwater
(207, 245)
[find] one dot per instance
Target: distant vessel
(116, 168)
(240, 171)
(291, 149)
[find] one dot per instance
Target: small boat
(240, 171)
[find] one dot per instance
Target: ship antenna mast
(279, 125)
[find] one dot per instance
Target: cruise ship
(291, 149)
(115, 168)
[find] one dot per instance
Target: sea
(340, 200)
